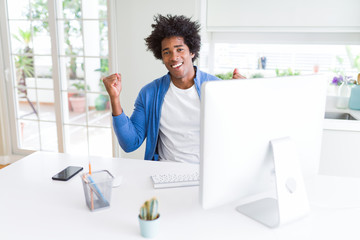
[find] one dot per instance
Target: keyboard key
(172, 180)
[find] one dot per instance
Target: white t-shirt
(179, 133)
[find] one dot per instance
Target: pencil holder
(97, 189)
(149, 218)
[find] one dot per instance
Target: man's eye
(180, 49)
(165, 53)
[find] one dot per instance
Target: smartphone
(67, 173)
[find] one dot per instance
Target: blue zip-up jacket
(145, 120)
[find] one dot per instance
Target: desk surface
(33, 206)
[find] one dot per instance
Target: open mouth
(177, 65)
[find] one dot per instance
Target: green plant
(286, 72)
(24, 65)
(149, 210)
(24, 68)
(71, 29)
(104, 69)
(101, 102)
(80, 86)
(354, 61)
(25, 39)
(257, 75)
(339, 71)
(225, 76)
(38, 11)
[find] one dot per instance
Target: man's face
(177, 58)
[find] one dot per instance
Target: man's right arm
(129, 132)
(113, 86)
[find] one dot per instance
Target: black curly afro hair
(170, 26)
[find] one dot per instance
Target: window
(59, 53)
(273, 54)
(304, 59)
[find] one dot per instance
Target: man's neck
(184, 83)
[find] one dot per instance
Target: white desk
(33, 206)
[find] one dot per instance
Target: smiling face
(178, 60)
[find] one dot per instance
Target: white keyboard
(172, 180)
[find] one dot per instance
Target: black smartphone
(67, 173)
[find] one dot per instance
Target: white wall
(136, 65)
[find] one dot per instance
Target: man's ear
(192, 55)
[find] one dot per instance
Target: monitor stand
(291, 202)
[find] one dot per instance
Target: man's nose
(174, 56)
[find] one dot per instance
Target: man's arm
(113, 87)
(129, 132)
(237, 75)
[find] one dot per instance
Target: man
(167, 110)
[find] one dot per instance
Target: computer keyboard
(172, 180)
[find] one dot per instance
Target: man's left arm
(237, 75)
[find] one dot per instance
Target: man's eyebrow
(176, 46)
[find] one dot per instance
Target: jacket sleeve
(131, 132)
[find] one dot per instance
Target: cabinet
(308, 15)
(340, 153)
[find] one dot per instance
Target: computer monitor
(244, 124)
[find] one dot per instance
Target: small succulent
(149, 210)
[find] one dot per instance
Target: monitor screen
(239, 119)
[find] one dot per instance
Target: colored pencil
(91, 191)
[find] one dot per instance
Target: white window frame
(5, 131)
(7, 86)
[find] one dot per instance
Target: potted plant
(102, 101)
(149, 218)
(78, 100)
